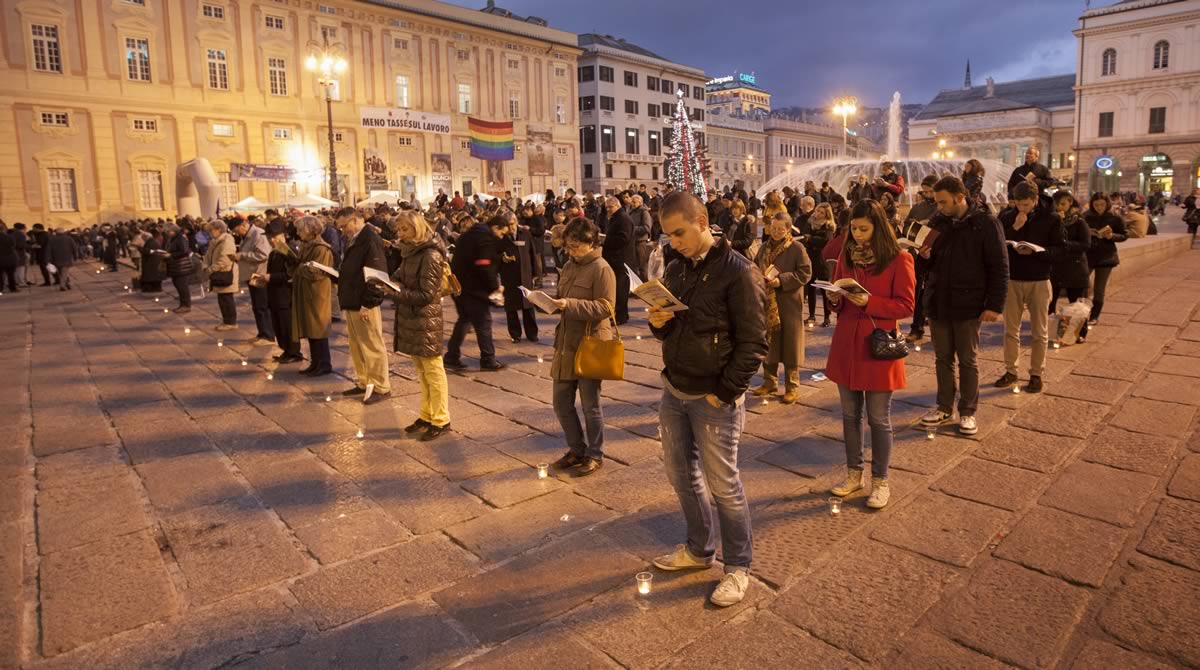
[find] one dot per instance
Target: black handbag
(220, 279)
(885, 345)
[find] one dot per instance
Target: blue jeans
(700, 444)
(878, 405)
(593, 417)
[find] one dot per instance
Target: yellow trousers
(435, 391)
(367, 351)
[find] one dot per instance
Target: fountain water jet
(893, 133)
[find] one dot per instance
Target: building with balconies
(792, 142)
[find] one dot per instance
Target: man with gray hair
(252, 260)
(618, 251)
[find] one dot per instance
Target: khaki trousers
(1034, 296)
(367, 351)
(435, 390)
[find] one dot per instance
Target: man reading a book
(1033, 233)
(364, 322)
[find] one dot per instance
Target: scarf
(772, 251)
(862, 256)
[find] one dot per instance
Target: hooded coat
(418, 326)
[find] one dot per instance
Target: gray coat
(794, 271)
(216, 259)
(253, 253)
(419, 325)
(589, 288)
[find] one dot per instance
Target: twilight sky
(807, 52)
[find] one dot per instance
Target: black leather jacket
(718, 343)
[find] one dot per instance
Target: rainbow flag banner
(491, 140)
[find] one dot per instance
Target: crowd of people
(749, 271)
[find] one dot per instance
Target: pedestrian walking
(475, 264)
(1107, 230)
(62, 254)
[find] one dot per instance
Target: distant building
(1138, 97)
(737, 140)
(627, 96)
(1000, 121)
(737, 95)
(791, 142)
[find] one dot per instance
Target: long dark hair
(1099, 195)
(883, 237)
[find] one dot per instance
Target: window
(1108, 63)
(631, 107)
(61, 182)
(652, 111)
(273, 22)
(139, 3)
(607, 103)
(697, 93)
(222, 130)
(608, 138)
(215, 12)
(562, 151)
(218, 70)
(404, 141)
(1106, 124)
(514, 64)
(655, 143)
(229, 188)
(587, 103)
(668, 87)
(631, 141)
(654, 172)
(587, 139)
(652, 83)
(150, 190)
(1158, 119)
(281, 133)
(608, 170)
(698, 115)
(587, 171)
(560, 109)
(514, 105)
(464, 98)
(326, 9)
(633, 172)
(338, 137)
(46, 54)
(402, 91)
(463, 55)
(277, 76)
(137, 58)
(517, 184)
(400, 44)
(1162, 52)
(560, 71)
(329, 34)
(606, 73)
(145, 125)
(465, 145)
(587, 73)
(630, 78)
(61, 119)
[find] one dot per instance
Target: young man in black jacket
(364, 321)
(967, 284)
(476, 265)
(923, 210)
(711, 350)
(1029, 280)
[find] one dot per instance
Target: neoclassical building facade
(101, 101)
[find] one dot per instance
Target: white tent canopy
(381, 198)
(251, 204)
(307, 201)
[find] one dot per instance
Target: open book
(323, 268)
(771, 273)
(380, 277)
(916, 235)
(540, 299)
(1026, 245)
(845, 286)
(654, 293)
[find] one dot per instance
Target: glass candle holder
(1057, 345)
(543, 470)
(220, 343)
(187, 331)
(166, 311)
(917, 347)
(156, 300)
(541, 360)
(359, 434)
(270, 376)
(644, 581)
(244, 363)
(328, 398)
(835, 506)
(930, 435)
(1016, 389)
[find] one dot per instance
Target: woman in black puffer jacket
(1107, 229)
(1069, 271)
(419, 318)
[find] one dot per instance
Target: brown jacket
(589, 288)
(787, 343)
(311, 308)
(216, 259)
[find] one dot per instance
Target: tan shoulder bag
(601, 359)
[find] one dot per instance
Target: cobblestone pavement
(166, 503)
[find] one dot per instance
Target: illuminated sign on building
(744, 78)
(747, 78)
(1104, 162)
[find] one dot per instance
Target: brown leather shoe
(764, 390)
(569, 460)
(791, 396)
(586, 468)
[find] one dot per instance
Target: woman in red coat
(871, 257)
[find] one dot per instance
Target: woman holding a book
(1107, 229)
(587, 292)
(1070, 269)
(816, 233)
(871, 257)
(311, 310)
(785, 267)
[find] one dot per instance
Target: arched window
(1162, 53)
(1108, 63)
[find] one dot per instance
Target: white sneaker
(880, 493)
(681, 559)
(854, 482)
(967, 425)
(936, 417)
(732, 589)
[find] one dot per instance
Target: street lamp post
(328, 63)
(845, 107)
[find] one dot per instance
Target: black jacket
(279, 286)
(1070, 268)
(366, 250)
(742, 234)
(1043, 227)
(1103, 253)
(179, 262)
(8, 251)
(475, 261)
(40, 245)
(968, 267)
(619, 248)
(718, 343)
(21, 245)
(1041, 177)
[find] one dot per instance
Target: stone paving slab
(503, 533)
(993, 484)
(1135, 614)
(1177, 365)
(1100, 655)
(1186, 481)
(923, 649)
(509, 487)
(1100, 492)
(1174, 534)
(1155, 417)
(87, 511)
(545, 647)
(1149, 454)
(1028, 449)
(944, 528)
(348, 535)
(192, 480)
(304, 491)
(763, 642)
(1168, 388)
(1061, 416)
(1072, 547)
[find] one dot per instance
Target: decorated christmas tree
(685, 165)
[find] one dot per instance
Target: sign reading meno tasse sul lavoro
(389, 118)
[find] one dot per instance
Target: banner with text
(388, 118)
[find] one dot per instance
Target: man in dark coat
(62, 254)
(619, 251)
(1032, 171)
(516, 271)
(8, 259)
(475, 264)
(279, 293)
(364, 321)
(41, 250)
(21, 246)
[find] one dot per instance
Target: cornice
(1136, 24)
(1141, 83)
(616, 54)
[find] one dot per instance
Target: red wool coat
(850, 363)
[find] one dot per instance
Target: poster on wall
(440, 170)
(375, 172)
(389, 118)
(495, 177)
(541, 152)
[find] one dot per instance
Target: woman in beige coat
(311, 295)
(587, 291)
(220, 258)
(785, 306)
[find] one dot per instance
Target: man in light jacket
(252, 260)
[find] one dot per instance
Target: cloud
(1045, 58)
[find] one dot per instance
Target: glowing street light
(844, 107)
(327, 63)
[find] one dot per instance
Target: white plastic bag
(1066, 325)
